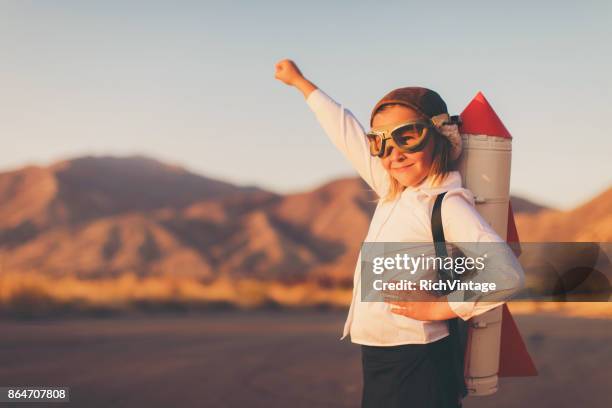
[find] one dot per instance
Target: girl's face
(409, 169)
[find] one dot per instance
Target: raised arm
(340, 125)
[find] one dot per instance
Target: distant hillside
(106, 233)
(524, 206)
(34, 199)
(96, 217)
(592, 221)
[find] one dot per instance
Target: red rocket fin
(479, 118)
(514, 359)
(512, 236)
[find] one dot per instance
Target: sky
(192, 83)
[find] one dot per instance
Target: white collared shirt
(407, 219)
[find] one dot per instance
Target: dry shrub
(31, 294)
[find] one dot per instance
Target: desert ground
(268, 359)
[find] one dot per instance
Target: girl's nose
(395, 154)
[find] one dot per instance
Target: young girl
(408, 159)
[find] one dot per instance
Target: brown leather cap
(423, 100)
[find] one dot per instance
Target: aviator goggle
(408, 137)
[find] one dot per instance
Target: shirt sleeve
(347, 134)
(470, 232)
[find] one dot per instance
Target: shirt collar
(452, 180)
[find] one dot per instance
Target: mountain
(590, 222)
(524, 206)
(102, 217)
(35, 198)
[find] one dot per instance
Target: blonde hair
(441, 164)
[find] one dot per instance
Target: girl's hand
(437, 310)
(287, 72)
(419, 305)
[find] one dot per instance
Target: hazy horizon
(241, 184)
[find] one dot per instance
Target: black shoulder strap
(437, 229)
(457, 328)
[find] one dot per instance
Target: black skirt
(409, 376)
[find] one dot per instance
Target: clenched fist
(287, 72)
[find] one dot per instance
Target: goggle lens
(376, 142)
(409, 136)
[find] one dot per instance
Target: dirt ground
(268, 359)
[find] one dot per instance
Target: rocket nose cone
(481, 98)
(479, 118)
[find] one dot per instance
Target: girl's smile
(403, 168)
